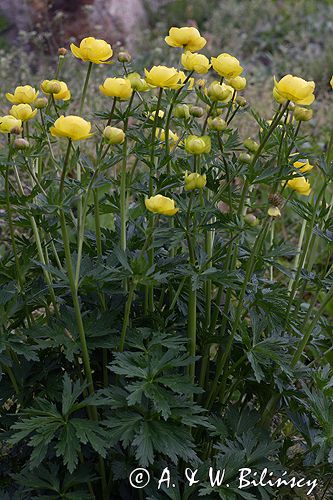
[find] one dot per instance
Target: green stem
(127, 312)
(85, 87)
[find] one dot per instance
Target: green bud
(196, 111)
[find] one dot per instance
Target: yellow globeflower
(153, 113)
(303, 114)
(188, 37)
(24, 94)
(237, 83)
(160, 134)
(303, 166)
(22, 112)
(71, 126)
(295, 89)
(226, 65)
(164, 77)
(301, 185)
(8, 123)
(197, 145)
(113, 135)
(195, 62)
(194, 181)
(93, 50)
(58, 88)
(137, 83)
(160, 204)
(220, 92)
(117, 87)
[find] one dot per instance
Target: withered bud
(21, 143)
(62, 52)
(124, 56)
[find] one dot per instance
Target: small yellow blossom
(220, 92)
(71, 126)
(164, 77)
(195, 62)
(23, 95)
(117, 87)
(301, 185)
(93, 50)
(61, 92)
(187, 37)
(274, 212)
(114, 135)
(237, 83)
(226, 65)
(295, 89)
(160, 134)
(197, 145)
(22, 112)
(303, 166)
(8, 123)
(160, 204)
(194, 181)
(302, 114)
(137, 83)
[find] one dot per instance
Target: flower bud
(194, 181)
(196, 111)
(217, 123)
(40, 103)
(245, 158)
(291, 106)
(251, 220)
(241, 101)
(21, 143)
(182, 111)
(220, 92)
(274, 212)
(114, 135)
(50, 87)
(302, 114)
(251, 145)
(16, 130)
(62, 52)
(124, 56)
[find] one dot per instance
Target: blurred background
(270, 37)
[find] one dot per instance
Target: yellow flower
(160, 134)
(114, 135)
(93, 50)
(153, 113)
(274, 212)
(181, 111)
(220, 92)
(160, 204)
(303, 166)
(295, 89)
(226, 65)
(71, 126)
(187, 37)
(195, 62)
(22, 112)
(137, 83)
(331, 82)
(117, 87)
(23, 95)
(194, 181)
(164, 77)
(197, 145)
(8, 123)
(301, 185)
(61, 90)
(237, 83)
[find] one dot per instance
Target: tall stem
(85, 86)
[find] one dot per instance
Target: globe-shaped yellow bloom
(194, 181)
(71, 126)
(22, 112)
(47, 86)
(302, 114)
(160, 204)
(160, 134)
(195, 62)
(295, 89)
(237, 83)
(23, 94)
(301, 185)
(303, 166)
(8, 123)
(93, 50)
(117, 87)
(197, 145)
(187, 37)
(164, 77)
(226, 65)
(220, 92)
(113, 135)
